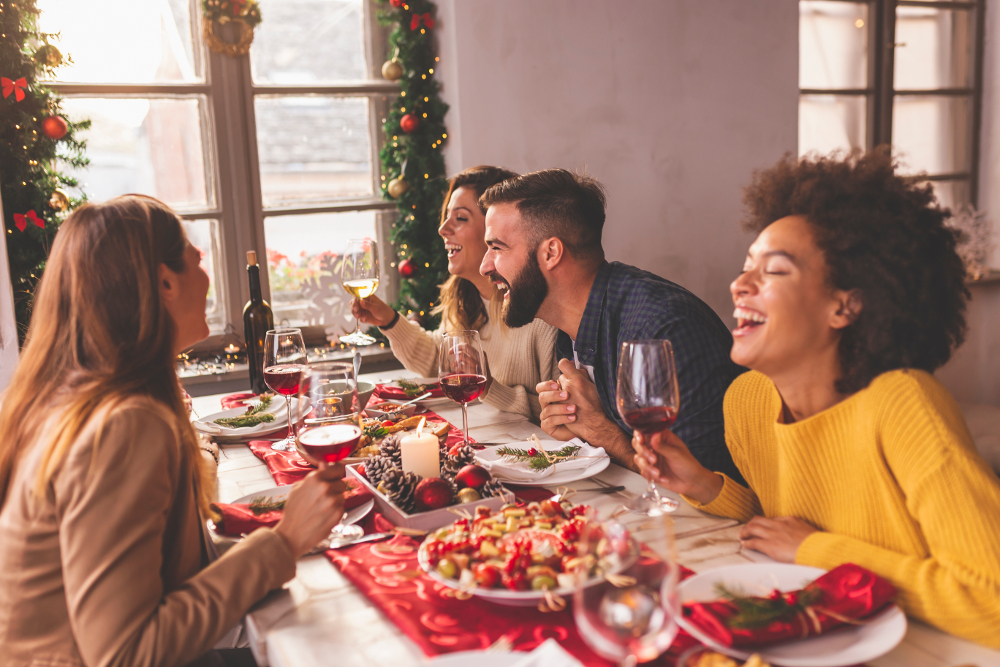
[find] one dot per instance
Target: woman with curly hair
(850, 297)
(518, 358)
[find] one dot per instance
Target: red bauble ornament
(409, 123)
(407, 268)
(433, 493)
(361, 471)
(472, 476)
(54, 127)
(396, 3)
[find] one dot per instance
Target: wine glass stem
(288, 413)
(465, 423)
(651, 489)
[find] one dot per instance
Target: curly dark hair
(884, 237)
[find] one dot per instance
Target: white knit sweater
(519, 359)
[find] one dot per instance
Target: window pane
(313, 148)
(204, 235)
(932, 134)
(309, 42)
(833, 45)
(303, 261)
(148, 146)
(934, 48)
(831, 122)
(951, 194)
(126, 41)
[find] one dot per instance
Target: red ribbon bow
(16, 87)
(21, 221)
(415, 21)
(236, 6)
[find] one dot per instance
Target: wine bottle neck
(255, 295)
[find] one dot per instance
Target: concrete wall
(670, 103)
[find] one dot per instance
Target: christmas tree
(36, 141)
(412, 163)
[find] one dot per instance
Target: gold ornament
(468, 495)
(397, 187)
(59, 201)
(392, 70)
(48, 55)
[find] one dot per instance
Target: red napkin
(391, 391)
(237, 519)
(237, 400)
(847, 592)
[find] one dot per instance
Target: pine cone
(390, 449)
(493, 488)
(376, 466)
(398, 487)
(450, 465)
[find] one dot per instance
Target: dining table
(320, 618)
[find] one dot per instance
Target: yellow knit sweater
(893, 482)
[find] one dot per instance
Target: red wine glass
(284, 359)
(648, 401)
(461, 370)
(328, 393)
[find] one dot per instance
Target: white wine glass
(648, 401)
(359, 276)
(284, 359)
(461, 370)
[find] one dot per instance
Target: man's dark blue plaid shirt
(627, 303)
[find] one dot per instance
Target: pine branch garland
(30, 162)
(416, 156)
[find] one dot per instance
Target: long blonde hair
(461, 305)
(99, 336)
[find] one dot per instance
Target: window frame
(232, 160)
(881, 93)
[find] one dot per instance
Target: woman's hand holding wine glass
(314, 506)
(360, 276)
(664, 459)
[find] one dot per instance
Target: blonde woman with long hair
(104, 559)
(518, 358)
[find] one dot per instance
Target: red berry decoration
(406, 268)
(472, 476)
(409, 123)
(54, 127)
(792, 599)
(433, 493)
(775, 595)
(456, 450)
(361, 471)
(532, 451)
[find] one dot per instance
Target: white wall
(670, 103)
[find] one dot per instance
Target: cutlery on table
(367, 538)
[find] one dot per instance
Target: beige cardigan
(519, 359)
(109, 567)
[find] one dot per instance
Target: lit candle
(232, 349)
(420, 453)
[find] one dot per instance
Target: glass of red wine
(648, 401)
(327, 393)
(284, 359)
(461, 370)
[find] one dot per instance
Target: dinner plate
(352, 516)
(480, 658)
(848, 645)
(493, 462)
(208, 426)
(429, 402)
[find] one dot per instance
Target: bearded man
(543, 232)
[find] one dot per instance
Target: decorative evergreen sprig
(410, 388)
(538, 459)
(375, 431)
(758, 612)
(264, 504)
(254, 415)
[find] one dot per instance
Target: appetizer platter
(524, 556)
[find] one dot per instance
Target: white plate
(353, 516)
(208, 426)
(481, 658)
(848, 645)
(492, 462)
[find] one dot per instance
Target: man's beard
(525, 294)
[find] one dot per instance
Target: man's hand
(372, 311)
(778, 538)
(555, 413)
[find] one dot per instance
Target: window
(905, 72)
(276, 151)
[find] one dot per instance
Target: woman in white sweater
(518, 358)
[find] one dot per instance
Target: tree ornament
(17, 87)
(409, 123)
(54, 127)
(59, 201)
(392, 70)
(468, 495)
(433, 493)
(472, 476)
(48, 55)
(21, 220)
(396, 3)
(407, 268)
(397, 187)
(416, 18)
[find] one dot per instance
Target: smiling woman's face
(788, 316)
(463, 232)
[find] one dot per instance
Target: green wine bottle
(257, 321)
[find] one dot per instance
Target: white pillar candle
(420, 454)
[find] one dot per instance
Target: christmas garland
(36, 140)
(412, 163)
